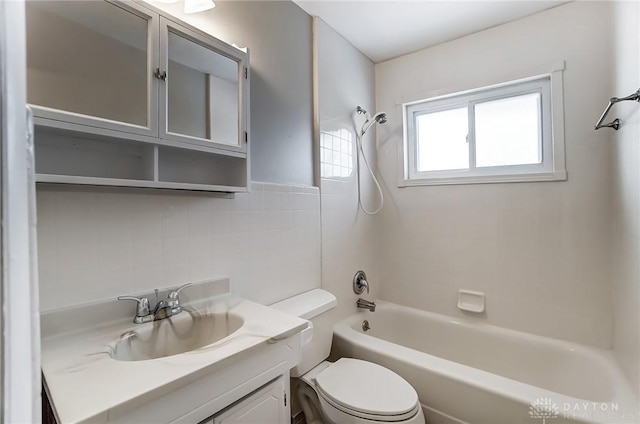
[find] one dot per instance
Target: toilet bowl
(358, 392)
(348, 391)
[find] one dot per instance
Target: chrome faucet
(161, 311)
(164, 308)
(366, 304)
(359, 286)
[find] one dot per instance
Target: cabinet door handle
(161, 76)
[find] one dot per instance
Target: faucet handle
(360, 282)
(142, 309)
(173, 301)
(174, 293)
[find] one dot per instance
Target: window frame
(552, 167)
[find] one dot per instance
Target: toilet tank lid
(307, 305)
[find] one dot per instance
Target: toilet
(347, 390)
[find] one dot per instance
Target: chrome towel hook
(615, 124)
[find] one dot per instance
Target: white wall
(540, 251)
(625, 220)
(95, 244)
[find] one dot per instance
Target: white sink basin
(181, 369)
(182, 333)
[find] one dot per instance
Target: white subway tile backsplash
(199, 221)
(285, 200)
(175, 250)
(173, 274)
(272, 200)
(145, 226)
(220, 222)
(146, 253)
(200, 248)
(256, 200)
(114, 256)
(240, 222)
(271, 220)
(100, 244)
(240, 202)
(175, 223)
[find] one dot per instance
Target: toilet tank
(316, 339)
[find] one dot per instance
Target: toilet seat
(367, 390)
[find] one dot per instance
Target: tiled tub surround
(349, 236)
(540, 251)
(100, 243)
(87, 385)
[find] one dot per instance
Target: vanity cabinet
(123, 95)
(267, 405)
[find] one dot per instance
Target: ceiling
(384, 29)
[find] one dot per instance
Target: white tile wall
(540, 251)
(97, 244)
(348, 235)
(348, 244)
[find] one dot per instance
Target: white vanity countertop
(85, 384)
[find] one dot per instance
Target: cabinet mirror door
(91, 62)
(203, 89)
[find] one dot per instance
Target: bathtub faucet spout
(365, 304)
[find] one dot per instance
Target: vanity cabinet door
(267, 405)
(91, 64)
(202, 90)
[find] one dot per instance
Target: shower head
(379, 117)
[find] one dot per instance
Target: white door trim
(20, 319)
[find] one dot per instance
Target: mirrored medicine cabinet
(125, 95)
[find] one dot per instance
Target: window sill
(487, 179)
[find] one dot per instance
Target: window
(336, 154)
(505, 133)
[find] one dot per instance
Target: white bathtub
(471, 372)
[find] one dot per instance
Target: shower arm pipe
(615, 124)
